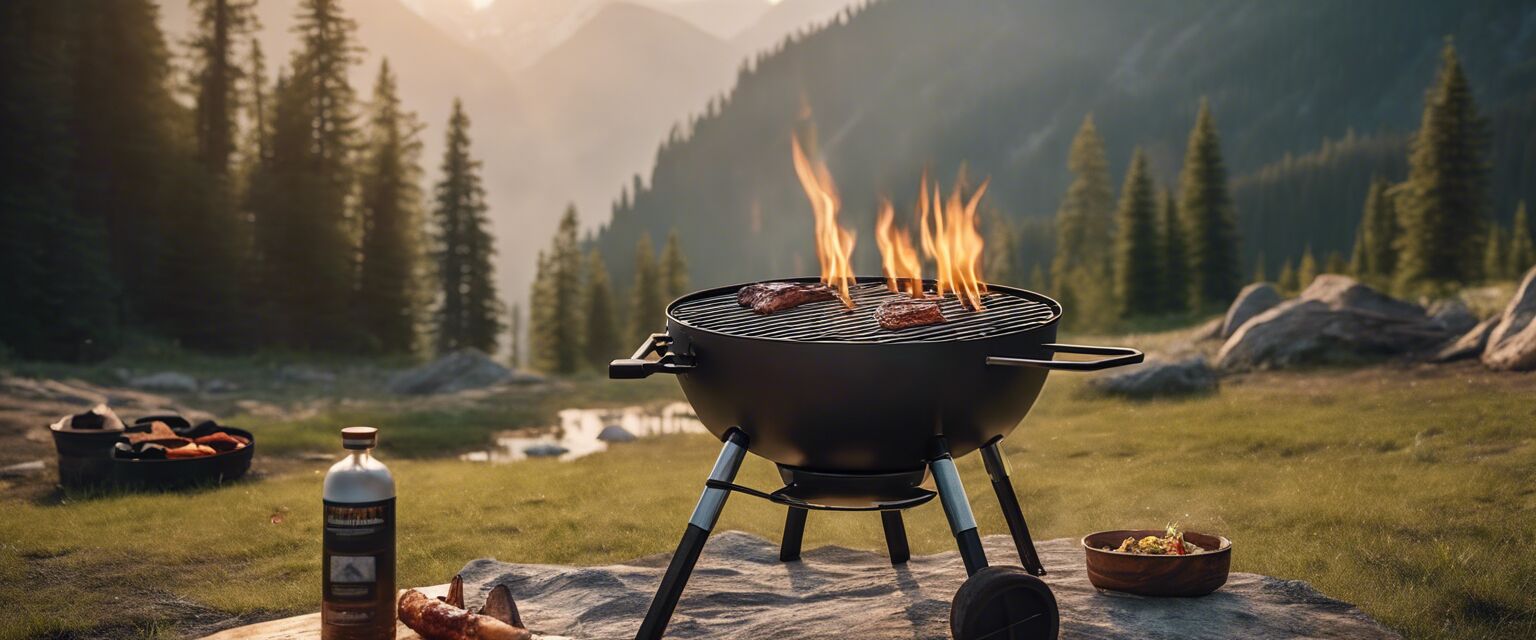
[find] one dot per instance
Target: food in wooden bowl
(1152, 562)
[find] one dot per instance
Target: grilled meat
(905, 313)
(767, 297)
(437, 620)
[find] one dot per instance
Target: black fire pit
(858, 417)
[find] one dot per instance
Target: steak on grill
(905, 313)
(767, 297)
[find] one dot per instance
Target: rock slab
(1336, 319)
(1253, 300)
(1512, 342)
(457, 371)
(1160, 379)
(740, 590)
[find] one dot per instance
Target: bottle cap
(359, 437)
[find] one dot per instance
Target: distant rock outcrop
(1512, 342)
(1160, 379)
(1335, 319)
(457, 371)
(1254, 299)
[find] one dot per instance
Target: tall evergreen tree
(1288, 281)
(1175, 256)
(1522, 246)
(1495, 257)
(59, 296)
(1206, 209)
(541, 356)
(646, 303)
(468, 313)
(1307, 272)
(1084, 231)
(127, 153)
(602, 337)
(1445, 200)
(559, 348)
(515, 339)
(1138, 277)
(216, 77)
(674, 269)
(389, 206)
(1374, 258)
(1335, 263)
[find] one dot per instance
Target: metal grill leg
(961, 522)
(794, 529)
(704, 516)
(895, 536)
(997, 468)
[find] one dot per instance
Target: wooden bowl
(1155, 575)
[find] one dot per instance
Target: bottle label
(359, 569)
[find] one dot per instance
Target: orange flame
(902, 266)
(950, 237)
(834, 244)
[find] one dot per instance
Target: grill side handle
(640, 366)
(1119, 357)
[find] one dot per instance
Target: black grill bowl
(176, 473)
(859, 406)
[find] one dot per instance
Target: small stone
(615, 433)
(545, 450)
(1160, 379)
(165, 381)
(23, 469)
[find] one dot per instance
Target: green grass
(1407, 491)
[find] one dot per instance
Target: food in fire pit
(905, 313)
(1171, 543)
(437, 619)
(160, 441)
(767, 297)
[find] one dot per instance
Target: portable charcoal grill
(857, 417)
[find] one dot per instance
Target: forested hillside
(1000, 86)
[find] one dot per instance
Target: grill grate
(830, 321)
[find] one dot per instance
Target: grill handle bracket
(1119, 357)
(640, 366)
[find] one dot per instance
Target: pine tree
(1138, 276)
(1374, 258)
(602, 338)
(59, 295)
(563, 353)
(389, 202)
(1495, 258)
(1082, 264)
(216, 77)
(541, 355)
(1522, 248)
(646, 312)
(468, 312)
(1206, 210)
(1259, 272)
(674, 269)
(1445, 201)
(1307, 272)
(127, 155)
(1175, 256)
(515, 339)
(1335, 263)
(1002, 253)
(1288, 281)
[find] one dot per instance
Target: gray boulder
(1470, 345)
(1512, 343)
(1254, 299)
(1335, 320)
(457, 371)
(1155, 379)
(165, 381)
(615, 433)
(1453, 315)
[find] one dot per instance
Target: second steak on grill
(905, 313)
(767, 297)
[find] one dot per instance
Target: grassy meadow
(1405, 490)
